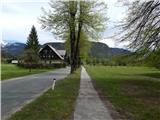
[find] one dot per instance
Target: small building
(14, 61)
(49, 54)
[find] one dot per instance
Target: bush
(154, 59)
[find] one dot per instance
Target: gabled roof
(62, 52)
(53, 50)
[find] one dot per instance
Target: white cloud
(23, 1)
(111, 42)
(19, 15)
(18, 18)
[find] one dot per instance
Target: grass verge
(53, 105)
(132, 95)
(12, 71)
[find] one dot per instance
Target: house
(14, 61)
(49, 54)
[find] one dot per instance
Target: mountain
(97, 50)
(101, 50)
(13, 49)
(118, 51)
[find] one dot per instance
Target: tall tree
(69, 18)
(30, 56)
(91, 22)
(72, 31)
(142, 26)
(32, 40)
(61, 21)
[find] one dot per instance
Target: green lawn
(129, 90)
(11, 71)
(53, 105)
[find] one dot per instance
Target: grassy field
(131, 90)
(53, 105)
(11, 71)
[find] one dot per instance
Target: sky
(18, 16)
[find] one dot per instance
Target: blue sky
(19, 15)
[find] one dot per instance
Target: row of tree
(75, 22)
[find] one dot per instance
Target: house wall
(48, 54)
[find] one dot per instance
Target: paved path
(89, 106)
(19, 91)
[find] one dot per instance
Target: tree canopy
(32, 40)
(30, 58)
(67, 19)
(142, 26)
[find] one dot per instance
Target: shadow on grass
(153, 75)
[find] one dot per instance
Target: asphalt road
(18, 92)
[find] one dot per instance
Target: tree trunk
(77, 53)
(78, 59)
(72, 41)
(30, 67)
(73, 11)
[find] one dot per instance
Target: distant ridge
(97, 50)
(119, 51)
(13, 49)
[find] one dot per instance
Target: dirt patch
(142, 93)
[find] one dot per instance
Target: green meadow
(133, 91)
(11, 71)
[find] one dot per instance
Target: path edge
(112, 110)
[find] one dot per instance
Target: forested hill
(97, 50)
